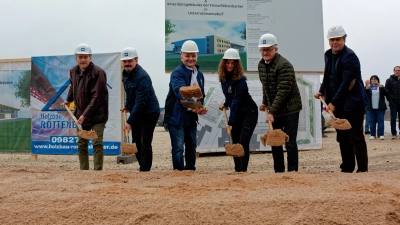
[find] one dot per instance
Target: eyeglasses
(396, 70)
(267, 50)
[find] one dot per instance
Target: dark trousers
(242, 131)
(352, 142)
(142, 135)
(289, 124)
(98, 150)
(367, 122)
(183, 138)
(394, 113)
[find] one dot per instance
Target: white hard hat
(231, 53)
(128, 53)
(83, 49)
(189, 46)
(267, 40)
(336, 31)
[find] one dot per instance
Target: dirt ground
(53, 190)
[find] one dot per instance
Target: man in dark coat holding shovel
(89, 92)
(344, 93)
(281, 99)
(142, 103)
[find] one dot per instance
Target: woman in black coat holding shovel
(243, 110)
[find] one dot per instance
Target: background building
(7, 112)
(209, 45)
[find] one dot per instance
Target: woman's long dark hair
(237, 72)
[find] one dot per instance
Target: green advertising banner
(15, 115)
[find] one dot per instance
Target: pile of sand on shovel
(87, 134)
(191, 91)
(128, 149)
(340, 124)
(235, 150)
(274, 138)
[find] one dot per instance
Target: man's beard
(128, 69)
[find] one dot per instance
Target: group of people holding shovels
(342, 92)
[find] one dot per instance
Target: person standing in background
(377, 106)
(393, 87)
(367, 130)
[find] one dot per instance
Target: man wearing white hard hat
(142, 104)
(343, 90)
(243, 110)
(281, 100)
(88, 90)
(182, 122)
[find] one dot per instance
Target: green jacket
(280, 91)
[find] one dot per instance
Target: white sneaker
(382, 137)
(372, 138)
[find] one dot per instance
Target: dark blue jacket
(181, 76)
(237, 98)
(347, 68)
(382, 93)
(141, 99)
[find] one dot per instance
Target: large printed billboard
(53, 129)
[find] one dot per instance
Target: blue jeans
(142, 135)
(289, 124)
(393, 116)
(366, 123)
(242, 131)
(183, 138)
(376, 116)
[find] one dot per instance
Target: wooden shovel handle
(226, 120)
(124, 115)
(323, 102)
(73, 117)
(269, 122)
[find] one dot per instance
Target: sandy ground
(53, 190)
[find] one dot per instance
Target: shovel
(340, 124)
(127, 148)
(191, 91)
(274, 137)
(235, 150)
(85, 134)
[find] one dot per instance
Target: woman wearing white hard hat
(243, 110)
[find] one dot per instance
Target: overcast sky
(45, 28)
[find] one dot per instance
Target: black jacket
(393, 87)
(141, 99)
(237, 98)
(347, 69)
(383, 92)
